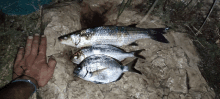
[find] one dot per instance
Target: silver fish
(108, 50)
(113, 35)
(102, 69)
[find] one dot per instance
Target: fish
(113, 35)
(108, 50)
(103, 69)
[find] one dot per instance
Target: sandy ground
(169, 71)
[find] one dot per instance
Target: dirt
(169, 70)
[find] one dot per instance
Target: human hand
(33, 63)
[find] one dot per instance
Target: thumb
(52, 63)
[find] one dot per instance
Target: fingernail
(42, 35)
(52, 57)
(30, 37)
(29, 44)
(36, 34)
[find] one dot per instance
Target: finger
(34, 47)
(28, 46)
(42, 48)
(52, 63)
(19, 56)
(22, 63)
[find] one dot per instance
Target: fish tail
(157, 34)
(137, 54)
(130, 67)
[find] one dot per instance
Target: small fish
(113, 35)
(102, 69)
(108, 50)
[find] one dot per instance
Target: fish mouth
(75, 75)
(59, 39)
(63, 37)
(79, 56)
(75, 72)
(67, 40)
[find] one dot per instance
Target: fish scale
(114, 35)
(110, 36)
(102, 69)
(108, 50)
(99, 63)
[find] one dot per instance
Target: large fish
(102, 69)
(108, 50)
(113, 35)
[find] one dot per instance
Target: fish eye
(75, 57)
(79, 68)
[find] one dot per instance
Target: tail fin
(136, 54)
(130, 67)
(157, 34)
(133, 44)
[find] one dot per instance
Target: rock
(60, 19)
(169, 71)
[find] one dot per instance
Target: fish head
(78, 57)
(80, 71)
(70, 39)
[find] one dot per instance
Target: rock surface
(169, 71)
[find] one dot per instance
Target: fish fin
(130, 67)
(119, 77)
(133, 44)
(98, 82)
(157, 34)
(161, 30)
(137, 53)
(132, 25)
